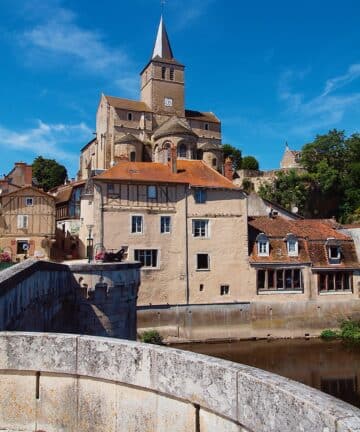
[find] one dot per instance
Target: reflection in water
(328, 366)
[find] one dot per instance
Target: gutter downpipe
(187, 187)
(101, 208)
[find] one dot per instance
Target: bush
(329, 334)
(151, 336)
(5, 257)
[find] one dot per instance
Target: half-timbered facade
(27, 223)
(175, 219)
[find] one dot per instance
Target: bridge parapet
(83, 383)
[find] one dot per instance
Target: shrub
(5, 257)
(151, 336)
(329, 334)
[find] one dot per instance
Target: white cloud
(333, 84)
(57, 36)
(45, 139)
(188, 11)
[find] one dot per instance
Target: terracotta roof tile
(127, 104)
(193, 172)
(312, 235)
(313, 229)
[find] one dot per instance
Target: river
(330, 367)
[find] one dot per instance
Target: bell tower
(162, 79)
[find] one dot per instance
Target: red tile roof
(193, 172)
(313, 229)
(312, 235)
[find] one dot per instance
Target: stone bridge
(58, 382)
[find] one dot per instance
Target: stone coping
(258, 400)
(21, 271)
(101, 266)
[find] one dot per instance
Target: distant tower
(162, 79)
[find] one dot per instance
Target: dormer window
(292, 245)
(333, 250)
(262, 245)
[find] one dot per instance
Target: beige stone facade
(27, 223)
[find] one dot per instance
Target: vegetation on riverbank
(349, 332)
(151, 336)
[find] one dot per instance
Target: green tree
(233, 153)
(289, 190)
(48, 173)
(250, 163)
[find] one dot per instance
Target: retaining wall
(260, 319)
(58, 382)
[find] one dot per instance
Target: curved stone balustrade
(60, 382)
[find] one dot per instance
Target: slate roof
(193, 172)
(202, 116)
(173, 126)
(127, 104)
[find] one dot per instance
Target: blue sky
(272, 71)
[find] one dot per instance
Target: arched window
(163, 72)
(166, 151)
(132, 156)
(182, 150)
(262, 245)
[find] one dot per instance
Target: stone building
(27, 223)
(302, 259)
(145, 130)
(185, 222)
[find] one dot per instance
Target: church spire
(162, 46)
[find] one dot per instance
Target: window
(282, 279)
(262, 245)
(132, 156)
(147, 257)
(171, 74)
(206, 126)
(182, 150)
(163, 72)
(224, 289)
(334, 281)
(165, 224)
(292, 245)
(22, 247)
(129, 116)
(110, 189)
(136, 224)
(200, 228)
(22, 221)
(334, 252)
(29, 201)
(200, 196)
(151, 192)
(214, 162)
(202, 261)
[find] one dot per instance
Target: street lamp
(90, 243)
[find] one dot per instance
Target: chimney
(28, 174)
(173, 159)
(228, 169)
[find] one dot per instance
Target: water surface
(331, 367)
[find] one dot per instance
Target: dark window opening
(224, 289)
(206, 126)
(22, 247)
(163, 72)
(172, 74)
(334, 281)
(129, 116)
(214, 162)
(201, 288)
(182, 151)
(202, 262)
(147, 257)
(200, 196)
(132, 156)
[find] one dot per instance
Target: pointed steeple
(162, 46)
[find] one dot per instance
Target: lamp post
(90, 242)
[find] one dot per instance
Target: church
(145, 130)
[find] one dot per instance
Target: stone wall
(56, 382)
(256, 319)
(95, 299)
